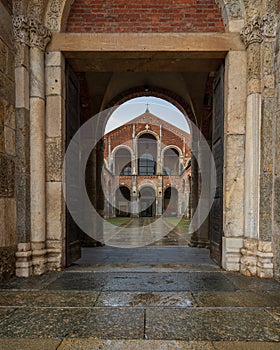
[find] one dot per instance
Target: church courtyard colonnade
(54, 53)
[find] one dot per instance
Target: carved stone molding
(30, 32)
(252, 32)
(258, 29)
(234, 9)
(269, 25)
(54, 14)
(36, 9)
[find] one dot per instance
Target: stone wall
(145, 16)
(276, 185)
(8, 239)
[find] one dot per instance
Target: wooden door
(216, 214)
(73, 233)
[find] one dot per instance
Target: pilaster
(257, 255)
(31, 39)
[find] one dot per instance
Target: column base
(39, 258)
(231, 253)
(24, 260)
(257, 258)
(54, 255)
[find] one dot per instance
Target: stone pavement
(144, 298)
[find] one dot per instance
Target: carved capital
(39, 35)
(258, 29)
(252, 32)
(21, 29)
(30, 32)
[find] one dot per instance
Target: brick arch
(120, 147)
(59, 11)
(172, 146)
(165, 94)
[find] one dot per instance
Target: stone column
(21, 37)
(134, 204)
(252, 37)
(39, 37)
(203, 231)
(159, 199)
(134, 161)
(256, 254)
(159, 168)
(265, 263)
(194, 195)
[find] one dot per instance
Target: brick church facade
(147, 169)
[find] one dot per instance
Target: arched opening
(122, 201)
(147, 202)
(122, 161)
(171, 165)
(147, 154)
(170, 201)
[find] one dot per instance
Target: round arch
(122, 201)
(57, 12)
(178, 149)
(147, 201)
(170, 201)
(171, 161)
(122, 160)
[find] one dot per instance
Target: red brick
(145, 16)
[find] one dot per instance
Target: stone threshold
(99, 344)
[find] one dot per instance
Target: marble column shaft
(37, 159)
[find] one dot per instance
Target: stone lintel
(184, 42)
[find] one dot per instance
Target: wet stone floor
(146, 298)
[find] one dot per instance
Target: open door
(73, 246)
(216, 214)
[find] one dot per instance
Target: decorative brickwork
(145, 16)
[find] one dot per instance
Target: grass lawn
(118, 221)
(181, 226)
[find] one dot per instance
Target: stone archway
(241, 109)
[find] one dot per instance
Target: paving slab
(29, 344)
(48, 298)
(104, 323)
(97, 344)
(246, 345)
(5, 312)
(238, 299)
(143, 282)
(31, 283)
(252, 283)
(275, 313)
(159, 268)
(147, 255)
(148, 299)
(211, 324)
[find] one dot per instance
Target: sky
(137, 106)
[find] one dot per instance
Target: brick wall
(170, 135)
(145, 16)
